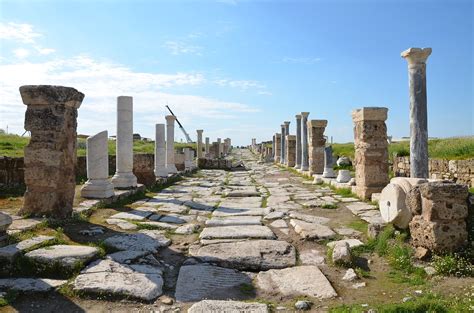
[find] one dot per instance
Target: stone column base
(161, 172)
(329, 173)
(124, 180)
(97, 189)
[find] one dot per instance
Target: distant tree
(2, 131)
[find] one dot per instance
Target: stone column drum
(50, 156)
(304, 141)
(290, 150)
(98, 185)
(416, 58)
(317, 143)
(170, 166)
(282, 144)
(199, 143)
(328, 163)
(298, 141)
(160, 151)
(124, 177)
(277, 148)
(371, 150)
(207, 147)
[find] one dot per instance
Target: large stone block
(439, 236)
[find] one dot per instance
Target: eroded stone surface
(145, 240)
(30, 284)
(206, 306)
(237, 232)
(65, 255)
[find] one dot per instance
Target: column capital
(282, 125)
(51, 95)
(199, 131)
(317, 123)
(369, 114)
(298, 116)
(170, 118)
(286, 123)
(304, 114)
(416, 55)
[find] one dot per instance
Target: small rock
(406, 299)
(350, 275)
(167, 300)
(374, 229)
(359, 285)
(302, 305)
(341, 253)
(421, 253)
(418, 292)
(430, 270)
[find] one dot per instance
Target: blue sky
(239, 69)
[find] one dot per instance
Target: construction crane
(188, 139)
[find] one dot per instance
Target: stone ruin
(440, 210)
(50, 156)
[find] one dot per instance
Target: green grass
(329, 206)
(453, 265)
(449, 148)
(344, 192)
(13, 145)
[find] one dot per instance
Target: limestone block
(343, 176)
(50, 156)
(439, 236)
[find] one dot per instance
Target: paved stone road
(257, 237)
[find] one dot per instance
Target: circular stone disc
(391, 201)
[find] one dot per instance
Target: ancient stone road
(260, 233)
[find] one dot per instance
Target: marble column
(298, 141)
(328, 163)
(160, 151)
(277, 154)
(371, 150)
(199, 143)
(98, 185)
(273, 146)
(282, 144)
(416, 58)
(50, 156)
(124, 177)
(290, 150)
(317, 143)
(187, 159)
(304, 141)
(219, 147)
(207, 147)
(170, 165)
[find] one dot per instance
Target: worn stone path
(235, 236)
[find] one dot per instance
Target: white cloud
(21, 53)
(44, 51)
(19, 32)
(181, 47)
(306, 61)
(243, 85)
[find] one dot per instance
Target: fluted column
(282, 144)
(304, 142)
(160, 151)
(416, 59)
(199, 143)
(170, 165)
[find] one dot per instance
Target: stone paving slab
(30, 284)
(311, 257)
(144, 240)
(234, 220)
(137, 215)
(110, 277)
(65, 255)
(352, 243)
(237, 232)
(296, 281)
(308, 218)
(23, 224)
(202, 281)
(9, 252)
(312, 230)
(122, 224)
(248, 255)
(207, 306)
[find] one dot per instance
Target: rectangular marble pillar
(207, 147)
(290, 150)
(199, 143)
(160, 151)
(98, 185)
(170, 165)
(304, 141)
(124, 177)
(50, 156)
(298, 141)
(316, 145)
(371, 150)
(277, 148)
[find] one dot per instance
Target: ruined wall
(459, 171)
